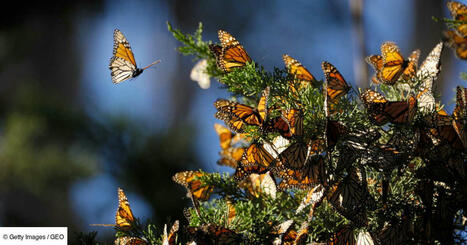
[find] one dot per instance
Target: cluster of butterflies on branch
(302, 159)
(274, 141)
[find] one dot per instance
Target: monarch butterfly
(257, 184)
(390, 65)
(236, 115)
(244, 171)
(256, 154)
(302, 75)
(334, 131)
(292, 237)
(458, 43)
(382, 111)
(170, 238)
(225, 136)
(428, 72)
(460, 115)
(308, 176)
(231, 156)
(294, 118)
(127, 240)
(213, 234)
(192, 182)
(122, 64)
(296, 154)
(231, 213)
(458, 10)
(230, 54)
(124, 218)
(441, 130)
(336, 86)
(345, 236)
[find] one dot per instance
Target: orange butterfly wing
(233, 54)
(124, 217)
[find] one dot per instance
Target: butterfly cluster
(300, 134)
(456, 36)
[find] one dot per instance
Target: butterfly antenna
(153, 63)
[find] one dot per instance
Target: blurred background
(70, 137)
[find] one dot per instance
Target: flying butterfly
(428, 73)
(192, 182)
(122, 64)
(124, 218)
(230, 54)
(391, 65)
(382, 111)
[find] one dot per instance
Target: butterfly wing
(256, 154)
(302, 75)
(225, 136)
(411, 66)
(232, 54)
(376, 61)
(460, 115)
(192, 182)
(393, 63)
(458, 43)
(122, 64)
(124, 217)
(336, 85)
(428, 73)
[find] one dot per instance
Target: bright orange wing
(336, 85)
(232, 55)
(257, 155)
(225, 136)
(124, 217)
(191, 181)
(302, 75)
